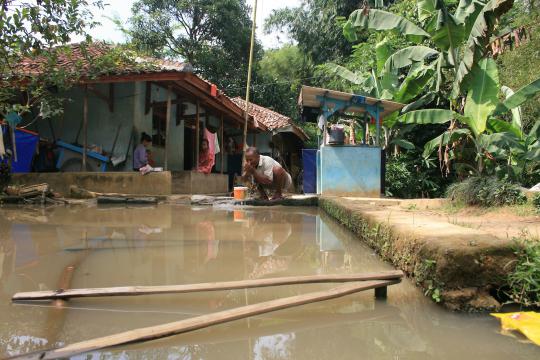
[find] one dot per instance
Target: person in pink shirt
(206, 158)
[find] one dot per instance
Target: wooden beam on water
(395, 275)
(203, 321)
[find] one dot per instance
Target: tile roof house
(117, 95)
(274, 121)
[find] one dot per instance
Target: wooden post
(85, 127)
(168, 127)
(222, 143)
(197, 133)
(378, 126)
(202, 321)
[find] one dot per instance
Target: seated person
(266, 172)
(206, 158)
(140, 155)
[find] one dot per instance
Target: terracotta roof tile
(271, 119)
(85, 58)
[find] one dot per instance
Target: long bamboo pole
(168, 127)
(188, 288)
(203, 321)
(197, 133)
(222, 143)
(85, 127)
(250, 65)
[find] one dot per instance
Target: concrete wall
(102, 124)
(108, 182)
(349, 171)
(143, 122)
(190, 182)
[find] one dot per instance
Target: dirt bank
(460, 267)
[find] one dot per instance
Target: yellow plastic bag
(528, 323)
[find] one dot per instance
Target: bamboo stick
(188, 288)
(203, 321)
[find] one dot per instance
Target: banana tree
(466, 32)
(479, 124)
(416, 87)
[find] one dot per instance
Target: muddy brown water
(115, 246)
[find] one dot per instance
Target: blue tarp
(310, 170)
(26, 148)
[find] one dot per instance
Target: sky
(122, 9)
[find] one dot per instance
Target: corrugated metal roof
(308, 98)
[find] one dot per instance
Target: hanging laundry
(216, 145)
(211, 141)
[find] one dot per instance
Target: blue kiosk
(353, 170)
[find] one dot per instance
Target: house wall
(102, 124)
(129, 115)
(143, 122)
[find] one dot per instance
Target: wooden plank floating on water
(203, 321)
(215, 286)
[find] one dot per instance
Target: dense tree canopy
(213, 35)
(30, 29)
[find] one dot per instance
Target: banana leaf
(415, 84)
(519, 97)
(497, 125)
(383, 51)
(346, 74)
(444, 139)
(420, 102)
(427, 116)
(467, 11)
(478, 40)
(516, 112)
(403, 144)
(380, 20)
(482, 97)
(408, 56)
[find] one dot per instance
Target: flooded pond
(81, 247)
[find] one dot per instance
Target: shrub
(5, 174)
(486, 191)
(536, 202)
(407, 177)
(524, 281)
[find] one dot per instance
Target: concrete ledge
(131, 183)
(192, 182)
(456, 266)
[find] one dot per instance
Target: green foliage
(408, 177)
(30, 31)
(524, 281)
(312, 132)
(213, 35)
(536, 201)
(5, 173)
(315, 26)
(478, 40)
(278, 79)
(486, 192)
(521, 66)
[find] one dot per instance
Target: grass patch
(486, 192)
(524, 281)
(536, 202)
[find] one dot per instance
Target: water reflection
(175, 245)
